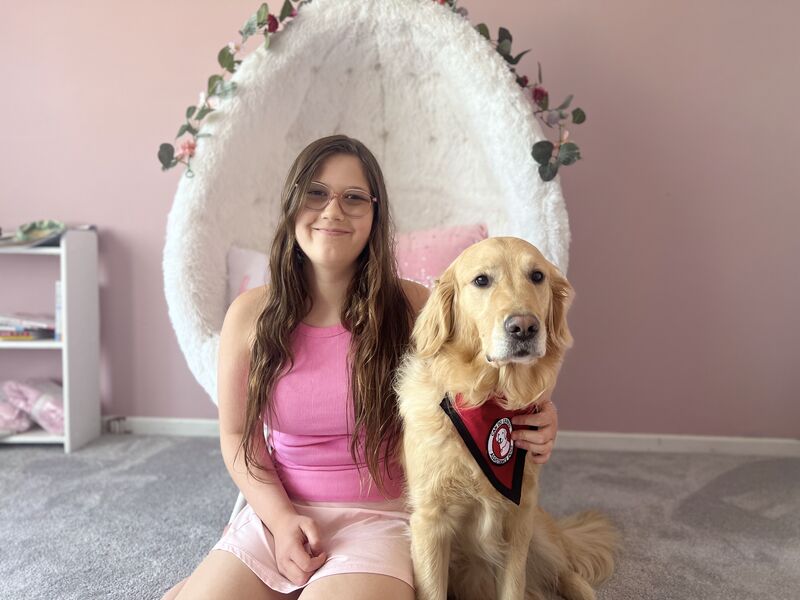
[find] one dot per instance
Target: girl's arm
(268, 498)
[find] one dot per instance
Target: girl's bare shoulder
(242, 314)
(416, 293)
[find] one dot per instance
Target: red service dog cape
(486, 431)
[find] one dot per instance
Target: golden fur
(468, 541)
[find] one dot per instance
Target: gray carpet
(128, 516)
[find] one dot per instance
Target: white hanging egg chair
(416, 83)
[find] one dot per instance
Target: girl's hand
(538, 441)
(298, 552)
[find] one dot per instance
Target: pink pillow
(421, 256)
(424, 255)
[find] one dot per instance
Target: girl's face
(329, 237)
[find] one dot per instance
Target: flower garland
(548, 155)
(262, 22)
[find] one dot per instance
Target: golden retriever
(494, 331)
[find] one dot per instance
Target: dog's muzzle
(518, 341)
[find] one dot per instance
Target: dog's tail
(591, 542)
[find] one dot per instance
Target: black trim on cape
(514, 493)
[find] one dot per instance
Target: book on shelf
(21, 319)
(19, 334)
(22, 326)
(26, 326)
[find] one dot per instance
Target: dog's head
(500, 299)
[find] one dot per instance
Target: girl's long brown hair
(376, 312)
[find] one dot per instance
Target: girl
(310, 359)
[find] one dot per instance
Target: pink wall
(683, 253)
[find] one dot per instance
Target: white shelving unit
(79, 344)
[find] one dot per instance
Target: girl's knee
(174, 590)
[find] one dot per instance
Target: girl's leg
(222, 576)
(173, 591)
(357, 586)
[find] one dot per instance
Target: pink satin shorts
(371, 537)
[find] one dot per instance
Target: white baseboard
(567, 440)
(162, 426)
(698, 444)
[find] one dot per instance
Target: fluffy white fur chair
(418, 85)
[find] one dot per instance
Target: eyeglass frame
(334, 195)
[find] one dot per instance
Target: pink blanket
(12, 419)
(40, 399)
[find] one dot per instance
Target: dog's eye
(481, 281)
(537, 276)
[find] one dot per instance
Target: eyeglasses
(353, 202)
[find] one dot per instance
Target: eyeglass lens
(354, 203)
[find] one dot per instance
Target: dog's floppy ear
(562, 295)
(434, 325)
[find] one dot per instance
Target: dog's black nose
(522, 327)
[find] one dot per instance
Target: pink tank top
(313, 423)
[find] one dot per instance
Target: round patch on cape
(501, 446)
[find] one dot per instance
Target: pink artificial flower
(293, 13)
(523, 81)
(187, 149)
(539, 94)
(272, 24)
